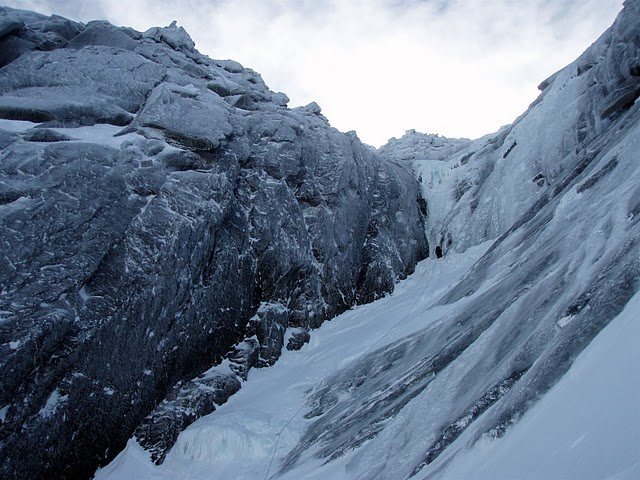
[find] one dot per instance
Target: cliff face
(511, 356)
(167, 223)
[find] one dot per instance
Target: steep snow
(587, 426)
(238, 440)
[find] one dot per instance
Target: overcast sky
(460, 68)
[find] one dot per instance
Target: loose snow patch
(54, 400)
(102, 134)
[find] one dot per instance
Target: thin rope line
(275, 447)
(393, 327)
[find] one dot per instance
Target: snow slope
(238, 440)
(586, 427)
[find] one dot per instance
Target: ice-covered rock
(146, 269)
(173, 35)
(67, 87)
(415, 146)
(483, 187)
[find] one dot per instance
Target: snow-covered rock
(146, 269)
(173, 35)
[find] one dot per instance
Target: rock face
(165, 221)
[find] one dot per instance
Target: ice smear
(102, 134)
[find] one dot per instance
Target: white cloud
(456, 67)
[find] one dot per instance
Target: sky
(459, 68)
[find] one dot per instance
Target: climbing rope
(371, 347)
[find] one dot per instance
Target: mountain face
(167, 224)
(557, 196)
(538, 232)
